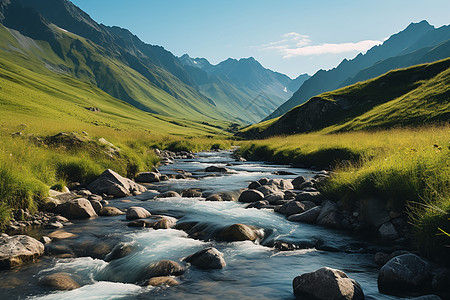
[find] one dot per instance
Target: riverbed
(254, 269)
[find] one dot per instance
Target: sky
(288, 36)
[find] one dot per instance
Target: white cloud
(296, 44)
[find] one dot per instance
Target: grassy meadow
(410, 168)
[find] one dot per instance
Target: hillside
(417, 95)
(414, 45)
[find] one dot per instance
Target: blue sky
(288, 36)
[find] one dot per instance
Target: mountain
(244, 88)
(415, 37)
(416, 95)
(147, 77)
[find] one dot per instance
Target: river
(254, 270)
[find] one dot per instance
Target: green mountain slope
(414, 96)
(413, 38)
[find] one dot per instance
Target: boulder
(282, 184)
(381, 258)
(79, 208)
(254, 185)
(95, 197)
(315, 197)
(267, 189)
(329, 216)
(164, 268)
(110, 211)
(215, 169)
(119, 251)
(54, 225)
(96, 205)
(49, 204)
(275, 197)
(258, 204)
(387, 231)
(209, 258)
(309, 216)
(404, 274)
(18, 249)
(214, 197)
(60, 235)
(169, 194)
(238, 232)
(248, 196)
(327, 284)
(165, 222)
(292, 207)
(162, 280)
(191, 193)
(135, 212)
(297, 181)
(263, 181)
(306, 184)
(147, 177)
(59, 281)
(111, 183)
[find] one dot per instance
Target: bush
(78, 170)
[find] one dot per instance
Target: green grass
(409, 168)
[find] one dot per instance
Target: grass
(409, 168)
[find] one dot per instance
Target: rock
(59, 281)
(381, 258)
(191, 193)
(169, 194)
(263, 181)
(275, 197)
(327, 284)
(374, 211)
(309, 216)
(79, 208)
(165, 223)
(163, 177)
(282, 184)
(94, 197)
(292, 207)
(59, 219)
(19, 249)
(180, 176)
(60, 234)
(254, 185)
(267, 190)
(45, 240)
(54, 225)
(215, 169)
(214, 197)
(404, 274)
(209, 258)
(282, 173)
(315, 197)
(441, 278)
(111, 183)
(119, 251)
(135, 212)
(110, 211)
(162, 280)
(387, 231)
(289, 195)
(258, 204)
(147, 177)
(164, 268)
(84, 193)
(238, 232)
(328, 215)
(49, 204)
(228, 196)
(296, 182)
(427, 297)
(248, 196)
(96, 205)
(140, 223)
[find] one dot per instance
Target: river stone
(141, 223)
(214, 197)
(263, 181)
(258, 204)
(282, 184)
(381, 258)
(59, 281)
(275, 197)
(93, 197)
(49, 204)
(309, 216)
(45, 240)
(328, 215)
(54, 225)
(315, 197)
(110, 211)
(191, 193)
(19, 249)
(238, 232)
(164, 268)
(387, 231)
(58, 218)
(296, 182)
(135, 212)
(327, 284)
(119, 251)
(147, 177)
(169, 194)
(248, 196)
(254, 185)
(292, 207)
(162, 280)
(215, 169)
(96, 205)
(165, 222)
(306, 184)
(267, 189)
(209, 258)
(60, 235)
(111, 183)
(79, 208)
(404, 273)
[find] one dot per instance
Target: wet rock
(162, 280)
(329, 216)
(147, 177)
(254, 185)
(180, 176)
(59, 281)
(248, 196)
(267, 190)
(258, 204)
(79, 208)
(381, 258)
(60, 234)
(84, 193)
(209, 258)
(165, 222)
(59, 219)
(110, 211)
(315, 197)
(228, 196)
(306, 184)
(297, 181)
(191, 193)
(96, 205)
(135, 212)
(283, 173)
(163, 177)
(309, 216)
(215, 169)
(238, 232)
(94, 197)
(54, 225)
(49, 204)
(404, 274)
(387, 231)
(164, 268)
(282, 184)
(327, 284)
(140, 223)
(169, 194)
(289, 195)
(263, 181)
(275, 197)
(292, 207)
(214, 197)
(119, 251)
(111, 183)
(45, 240)
(19, 249)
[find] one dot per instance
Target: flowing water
(254, 270)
